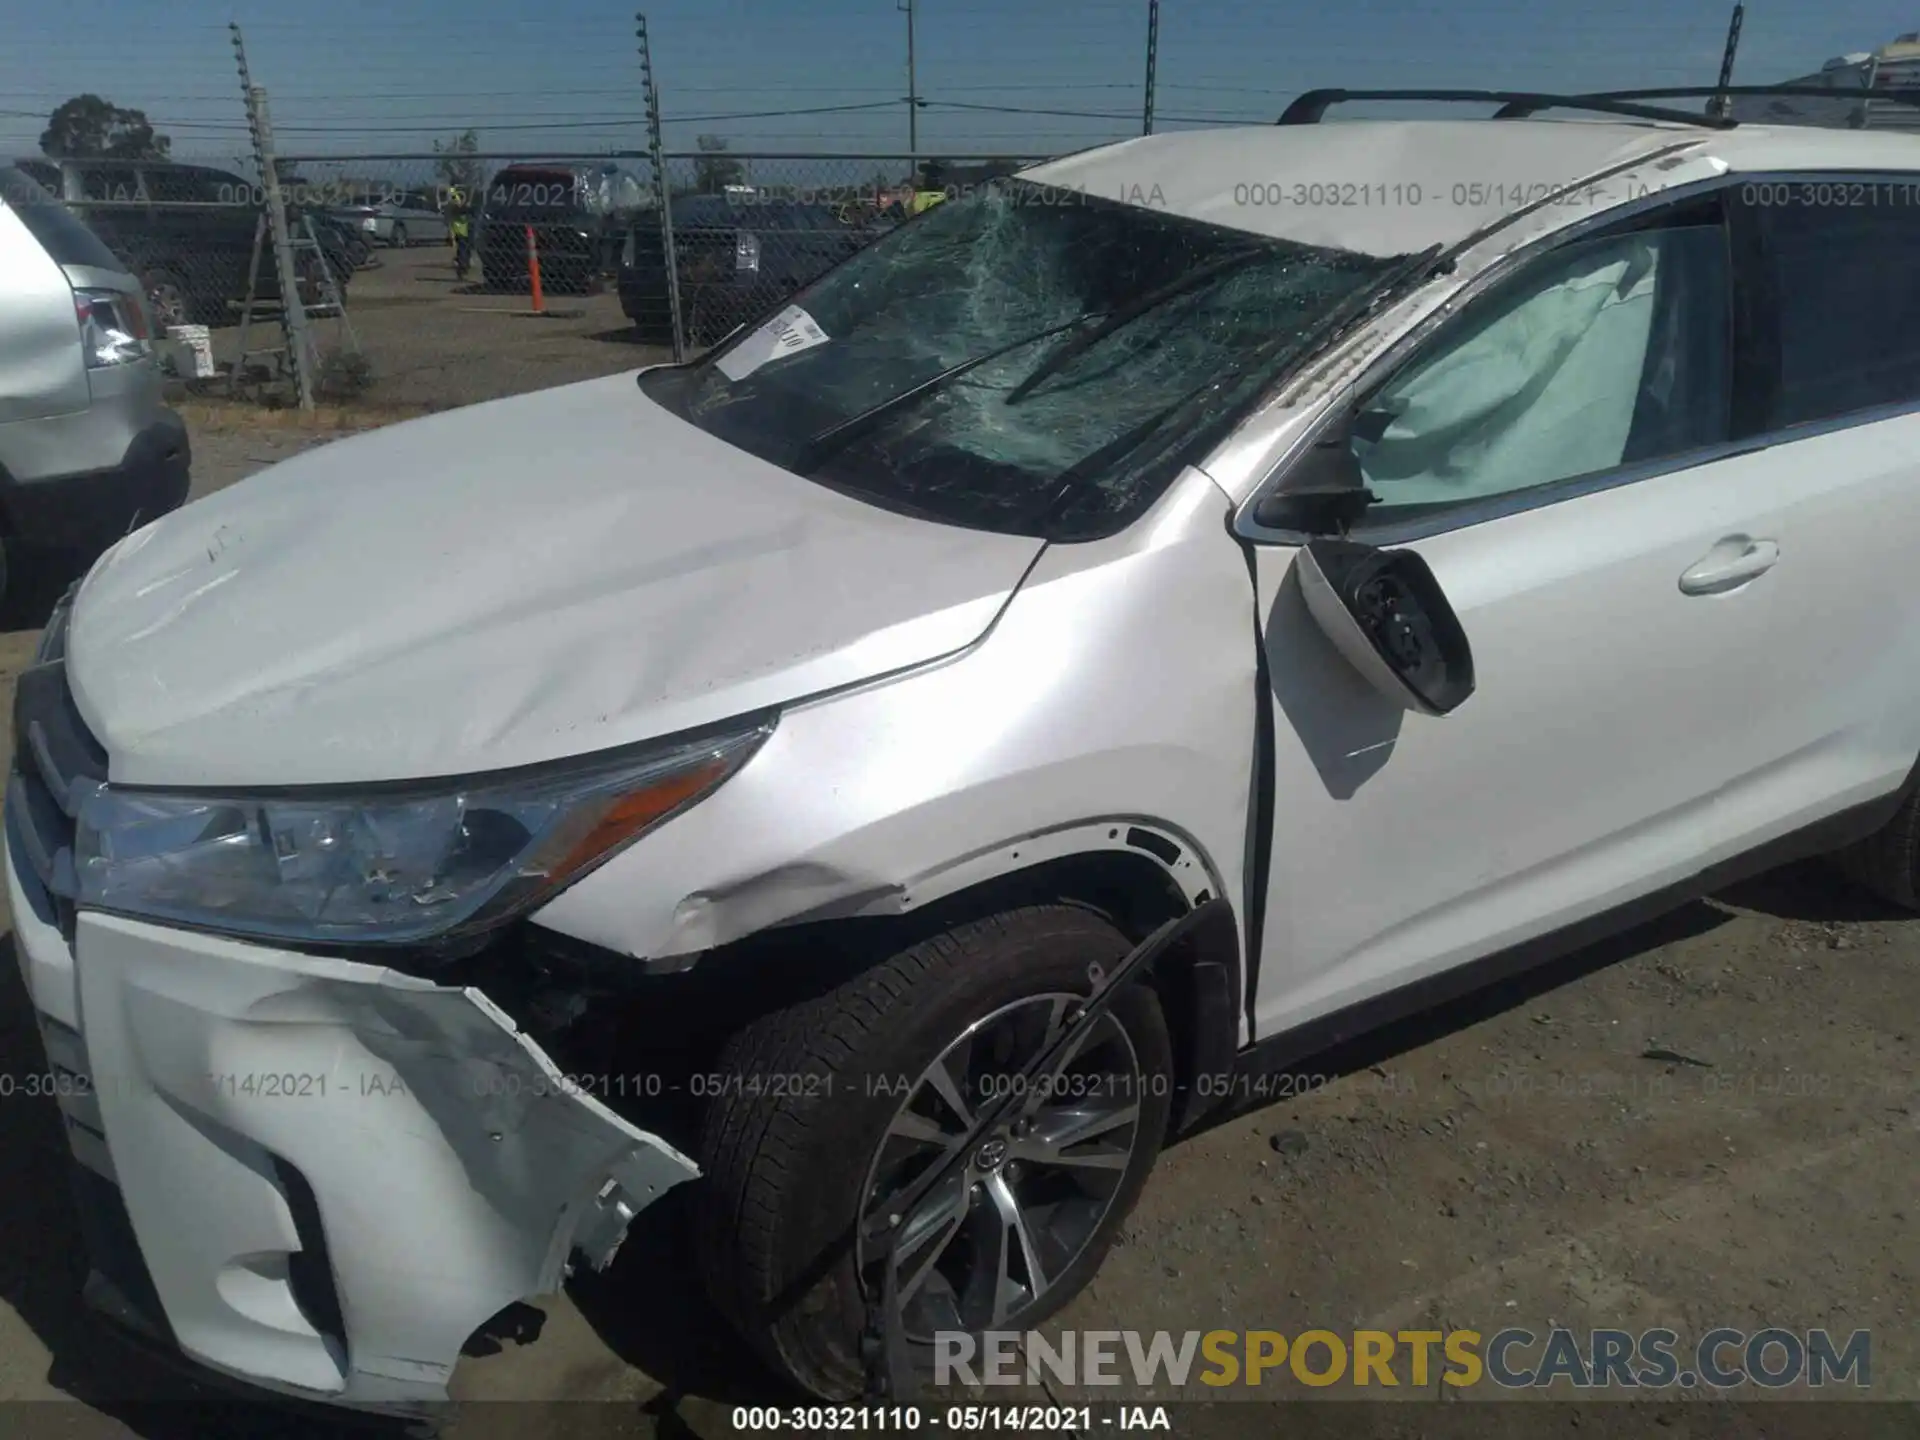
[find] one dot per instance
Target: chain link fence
(561, 274)
(197, 236)
(748, 231)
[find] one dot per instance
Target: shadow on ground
(1377, 1047)
(628, 335)
(35, 582)
(1812, 891)
(651, 1310)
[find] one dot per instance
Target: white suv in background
(87, 449)
(1380, 552)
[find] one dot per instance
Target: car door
(1686, 604)
(424, 220)
(185, 219)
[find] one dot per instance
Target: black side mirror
(1387, 615)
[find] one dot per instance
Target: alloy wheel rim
(169, 305)
(991, 1243)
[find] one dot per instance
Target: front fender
(1115, 692)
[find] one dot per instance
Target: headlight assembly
(399, 865)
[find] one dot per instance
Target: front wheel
(830, 1109)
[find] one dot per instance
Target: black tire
(1887, 862)
(786, 1161)
(399, 237)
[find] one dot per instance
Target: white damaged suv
(1380, 551)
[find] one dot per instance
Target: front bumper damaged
(330, 1174)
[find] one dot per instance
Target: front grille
(57, 764)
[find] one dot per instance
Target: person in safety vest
(460, 228)
(925, 200)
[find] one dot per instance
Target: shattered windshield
(1023, 359)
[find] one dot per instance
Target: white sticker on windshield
(787, 333)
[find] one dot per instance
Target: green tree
(458, 161)
(87, 125)
(715, 169)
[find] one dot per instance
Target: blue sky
(354, 75)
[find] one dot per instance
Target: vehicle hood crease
(512, 583)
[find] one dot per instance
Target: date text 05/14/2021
(959, 1419)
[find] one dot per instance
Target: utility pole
(913, 89)
(1153, 61)
(1723, 104)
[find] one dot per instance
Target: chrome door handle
(1728, 565)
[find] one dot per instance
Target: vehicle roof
(571, 167)
(1393, 187)
(145, 163)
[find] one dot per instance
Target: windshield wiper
(1127, 314)
(836, 437)
(1121, 445)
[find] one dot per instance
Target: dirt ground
(1711, 1121)
(434, 342)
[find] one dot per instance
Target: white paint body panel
(567, 571)
(452, 1170)
(1117, 687)
(1622, 736)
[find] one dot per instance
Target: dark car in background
(738, 255)
(579, 215)
(187, 232)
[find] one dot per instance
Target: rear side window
(534, 190)
(1846, 278)
(47, 175)
(813, 217)
(200, 187)
(61, 233)
(110, 182)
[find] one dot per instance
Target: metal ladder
(293, 331)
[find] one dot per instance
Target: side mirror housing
(1325, 492)
(1386, 614)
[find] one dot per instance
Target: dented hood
(519, 581)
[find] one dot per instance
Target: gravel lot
(1709, 1122)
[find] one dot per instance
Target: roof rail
(1310, 108)
(1901, 95)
